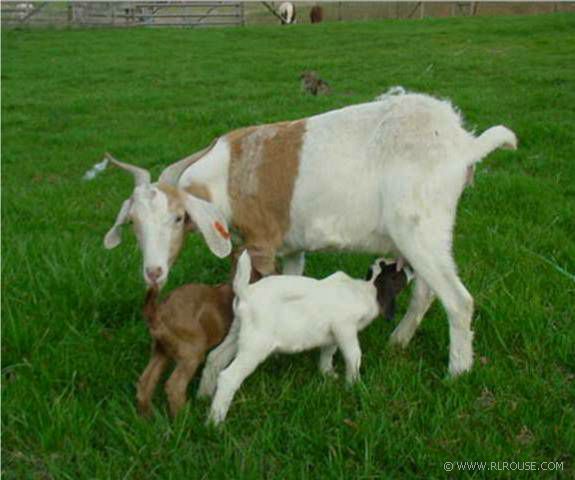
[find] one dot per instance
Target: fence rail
(122, 14)
(190, 14)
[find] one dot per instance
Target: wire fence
(122, 14)
(194, 14)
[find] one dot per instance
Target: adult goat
(379, 177)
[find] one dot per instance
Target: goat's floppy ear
(113, 237)
(211, 223)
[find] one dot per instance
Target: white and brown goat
(380, 177)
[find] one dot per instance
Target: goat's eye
(179, 218)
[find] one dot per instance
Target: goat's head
(161, 213)
(389, 279)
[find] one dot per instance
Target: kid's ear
(113, 238)
(211, 223)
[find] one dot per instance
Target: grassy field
(73, 340)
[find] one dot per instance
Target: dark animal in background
(316, 14)
(312, 83)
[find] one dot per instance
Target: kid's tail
(491, 139)
(243, 274)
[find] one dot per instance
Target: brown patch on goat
(193, 319)
(263, 168)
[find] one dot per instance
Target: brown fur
(263, 168)
(312, 83)
(316, 14)
(193, 319)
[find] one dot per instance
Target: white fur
(383, 176)
(287, 12)
(397, 167)
(150, 205)
(290, 314)
(386, 176)
(24, 9)
(212, 171)
(158, 227)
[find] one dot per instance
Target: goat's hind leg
(421, 299)
(348, 344)
(231, 379)
(326, 361)
(177, 384)
(218, 359)
(430, 257)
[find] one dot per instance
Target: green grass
(74, 342)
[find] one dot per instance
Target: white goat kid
(290, 314)
(380, 177)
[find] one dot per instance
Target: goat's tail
(151, 306)
(243, 274)
(491, 139)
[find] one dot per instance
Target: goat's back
(195, 312)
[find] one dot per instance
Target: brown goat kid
(192, 320)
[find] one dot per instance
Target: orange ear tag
(222, 230)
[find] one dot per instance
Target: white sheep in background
(379, 177)
(24, 10)
(287, 13)
(290, 314)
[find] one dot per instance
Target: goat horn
(172, 173)
(141, 176)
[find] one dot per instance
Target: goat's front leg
(326, 361)
(177, 384)
(348, 343)
(231, 379)
(421, 300)
(149, 378)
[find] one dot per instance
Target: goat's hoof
(144, 410)
(455, 370)
(398, 341)
(215, 418)
(331, 374)
(205, 394)
(351, 380)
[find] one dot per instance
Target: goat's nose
(153, 273)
